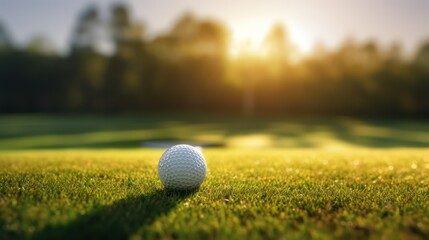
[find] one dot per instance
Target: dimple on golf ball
(182, 167)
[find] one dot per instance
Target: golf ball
(182, 167)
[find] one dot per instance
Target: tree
(5, 38)
(86, 65)
(422, 56)
(195, 53)
(421, 78)
(40, 44)
(126, 82)
(87, 35)
(277, 45)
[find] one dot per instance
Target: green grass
(63, 131)
(248, 194)
(87, 177)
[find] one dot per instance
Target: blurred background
(171, 61)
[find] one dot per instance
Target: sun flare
(248, 38)
(301, 38)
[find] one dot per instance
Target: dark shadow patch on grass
(124, 132)
(381, 142)
(6, 234)
(126, 144)
(119, 220)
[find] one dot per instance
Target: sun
(248, 37)
(301, 38)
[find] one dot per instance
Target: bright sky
(307, 21)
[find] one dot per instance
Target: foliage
(113, 66)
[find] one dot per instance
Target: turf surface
(248, 194)
(92, 131)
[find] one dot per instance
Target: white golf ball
(182, 167)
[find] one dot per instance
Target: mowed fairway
(248, 194)
(88, 177)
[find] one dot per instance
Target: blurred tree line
(112, 66)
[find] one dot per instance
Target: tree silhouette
(5, 38)
(112, 66)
